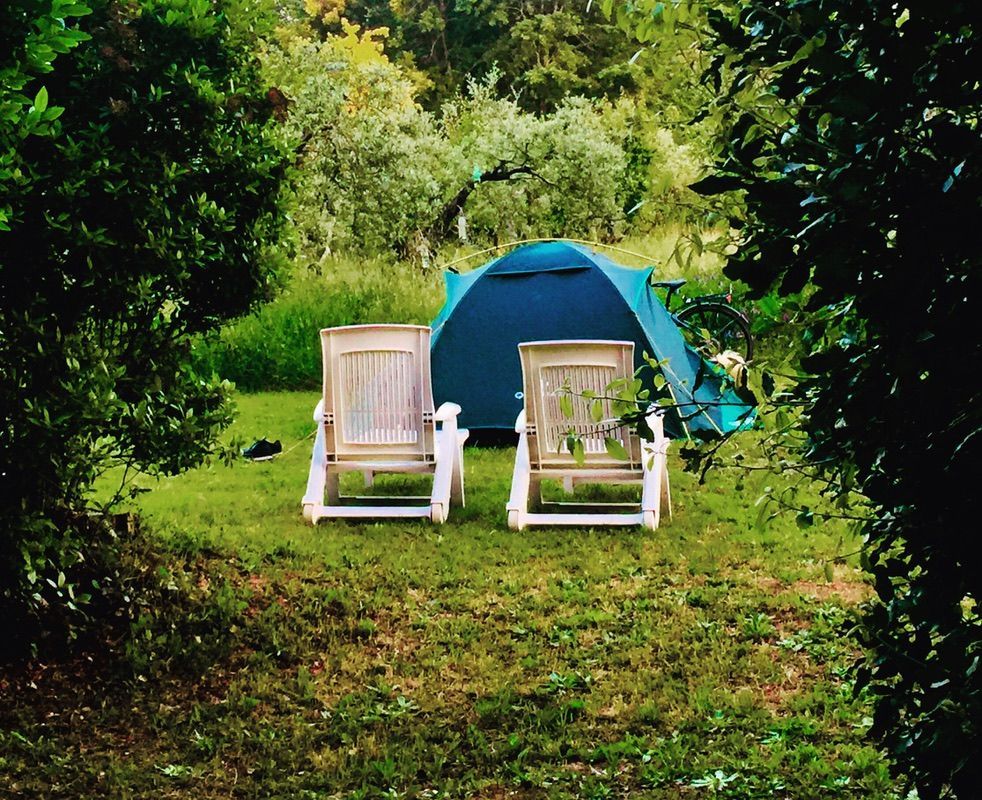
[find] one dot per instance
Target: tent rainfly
(562, 290)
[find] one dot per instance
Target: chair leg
(317, 476)
(666, 490)
(457, 479)
(446, 448)
(333, 487)
(369, 477)
(651, 488)
(518, 502)
(535, 493)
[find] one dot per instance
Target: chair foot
(308, 513)
(515, 520)
(438, 513)
(649, 520)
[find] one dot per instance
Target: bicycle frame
(673, 287)
(714, 304)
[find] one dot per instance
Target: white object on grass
(551, 370)
(376, 416)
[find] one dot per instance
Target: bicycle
(709, 323)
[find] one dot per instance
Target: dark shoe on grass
(262, 450)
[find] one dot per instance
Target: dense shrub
(851, 131)
(139, 211)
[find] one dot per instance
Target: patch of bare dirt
(851, 592)
(498, 792)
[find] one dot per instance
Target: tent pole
(449, 264)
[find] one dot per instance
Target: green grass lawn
(390, 660)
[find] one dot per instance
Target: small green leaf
(763, 515)
(696, 242)
(596, 410)
(615, 449)
(41, 100)
(566, 404)
(579, 453)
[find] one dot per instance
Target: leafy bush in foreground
(138, 212)
(852, 131)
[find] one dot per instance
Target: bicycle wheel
(712, 328)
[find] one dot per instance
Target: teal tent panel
(456, 287)
(707, 404)
(561, 290)
(633, 284)
(548, 256)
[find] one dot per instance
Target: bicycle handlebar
(672, 284)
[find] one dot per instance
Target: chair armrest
(446, 412)
(520, 422)
(655, 420)
(319, 411)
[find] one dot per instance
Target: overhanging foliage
(141, 194)
(851, 133)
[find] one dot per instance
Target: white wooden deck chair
(549, 370)
(376, 415)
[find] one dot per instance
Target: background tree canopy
(377, 171)
(543, 51)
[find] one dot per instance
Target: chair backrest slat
(377, 391)
(554, 426)
(379, 397)
(552, 370)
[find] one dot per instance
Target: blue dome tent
(562, 290)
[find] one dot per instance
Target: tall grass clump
(277, 347)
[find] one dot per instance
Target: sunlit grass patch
(395, 659)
